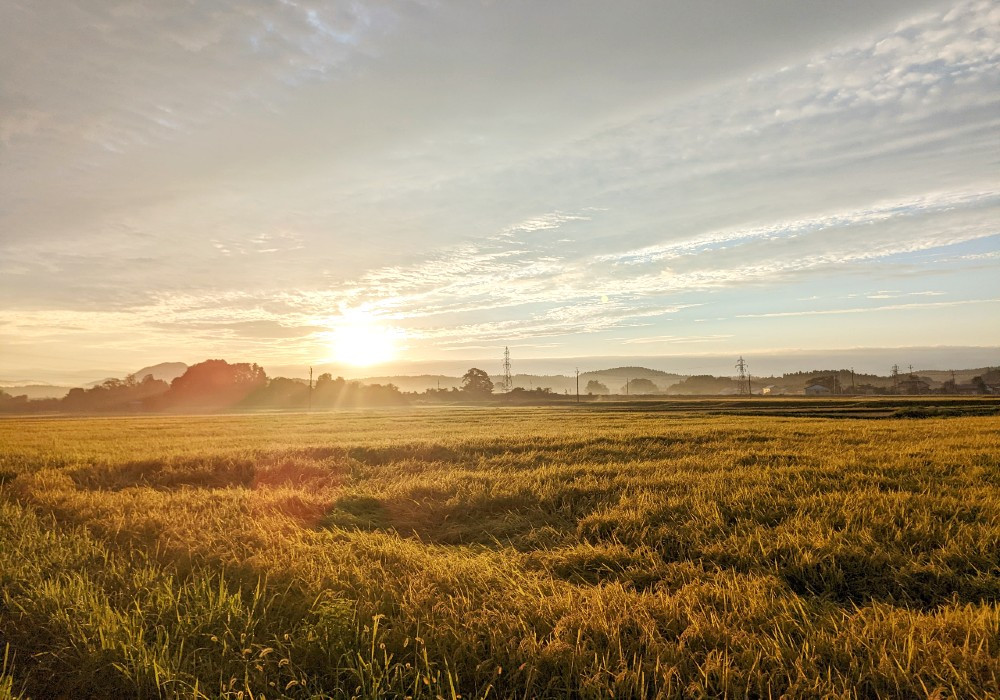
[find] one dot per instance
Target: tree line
(215, 385)
(208, 386)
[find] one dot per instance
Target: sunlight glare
(360, 341)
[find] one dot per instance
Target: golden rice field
(499, 552)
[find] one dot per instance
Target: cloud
(921, 205)
(669, 339)
(545, 222)
(238, 174)
(870, 309)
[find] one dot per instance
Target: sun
(360, 341)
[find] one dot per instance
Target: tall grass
(501, 553)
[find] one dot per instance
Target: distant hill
(624, 373)
(614, 379)
(417, 383)
(961, 375)
(676, 384)
(36, 391)
(6, 383)
(167, 371)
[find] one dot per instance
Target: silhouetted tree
(13, 404)
(280, 392)
(339, 393)
(642, 386)
(215, 384)
(596, 387)
(701, 384)
(127, 394)
(477, 383)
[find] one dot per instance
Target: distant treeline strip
(209, 386)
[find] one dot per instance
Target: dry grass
(500, 552)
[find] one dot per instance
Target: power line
(506, 384)
(743, 381)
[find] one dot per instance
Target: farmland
(591, 551)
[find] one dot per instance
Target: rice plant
(522, 552)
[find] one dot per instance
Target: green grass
(519, 552)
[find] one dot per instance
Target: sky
(410, 182)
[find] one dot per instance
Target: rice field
(547, 552)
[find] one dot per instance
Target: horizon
(414, 184)
(876, 361)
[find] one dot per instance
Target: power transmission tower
(742, 380)
(506, 384)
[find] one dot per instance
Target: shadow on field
(216, 472)
(444, 517)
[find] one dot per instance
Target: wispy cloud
(871, 309)
(677, 339)
(269, 168)
(879, 212)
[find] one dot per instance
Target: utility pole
(852, 381)
(911, 370)
(578, 385)
(627, 380)
(310, 388)
(507, 383)
(742, 380)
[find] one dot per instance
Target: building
(914, 385)
(817, 390)
(774, 390)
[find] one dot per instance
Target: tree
(596, 387)
(642, 386)
(703, 384)
(216, 384)
(477, 382)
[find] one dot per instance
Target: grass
(519, 552)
